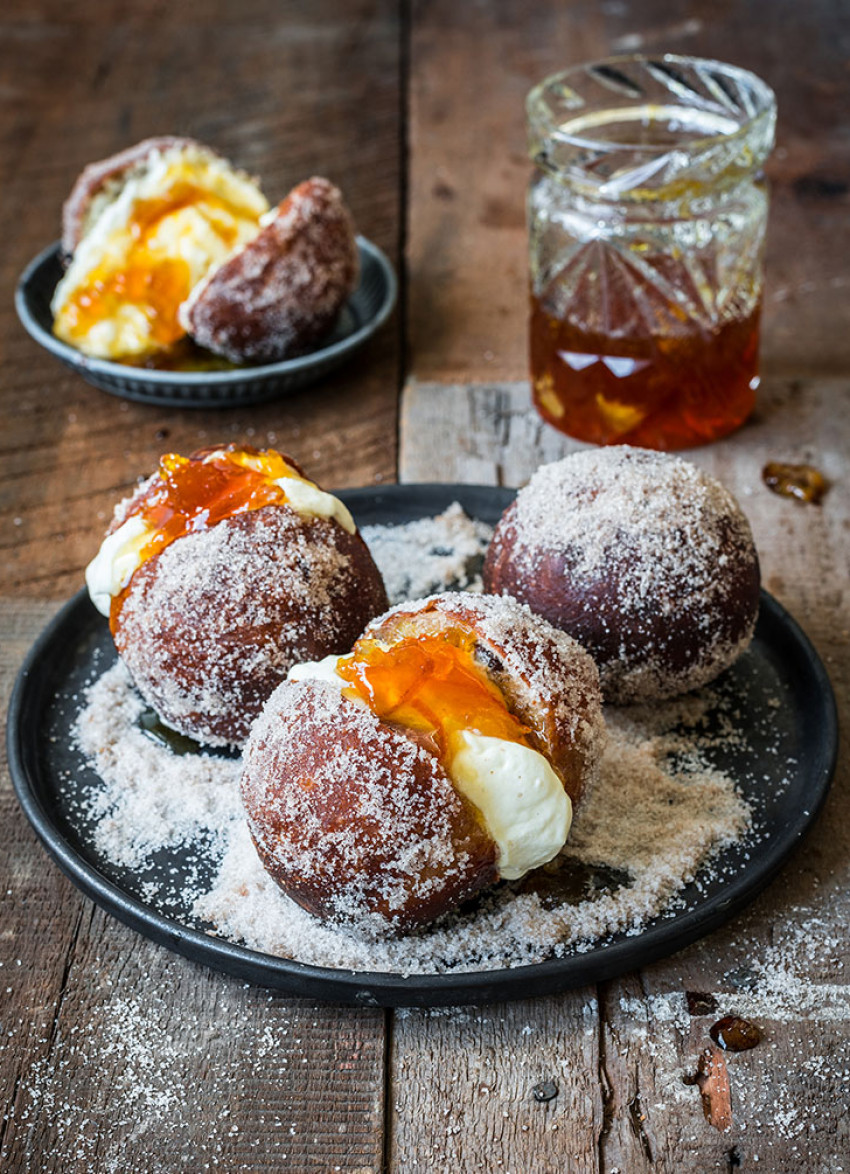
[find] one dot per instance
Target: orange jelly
(155, 284)
(194, 493)
(662, 392)
(431, 684)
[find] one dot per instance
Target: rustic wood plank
(784, 962)
(263, 88)
(154, 1059)
(472, 66)
(485, 1104)
(41, 911)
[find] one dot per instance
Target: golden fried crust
(354, 820)
(211, 625)
(96, 176)
(662, 589)
(547, 680)
(280, 293)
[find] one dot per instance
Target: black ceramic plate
(367, 309)
(784, 765)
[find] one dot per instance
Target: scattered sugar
(640, 819)
(431, 554)
(151, 798)
(655, 820)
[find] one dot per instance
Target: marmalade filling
(153, 282)
(431, 684)
(194, 493)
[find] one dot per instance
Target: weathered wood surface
(114, 1054)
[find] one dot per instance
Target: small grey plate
(366, 310)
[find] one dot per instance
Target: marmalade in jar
(647, 216)
(656, 392)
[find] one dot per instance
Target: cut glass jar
(647, 216)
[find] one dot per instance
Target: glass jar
(647, 216)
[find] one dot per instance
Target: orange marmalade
(431, 684)
(194, 493)
(150, 280)
(653, 390)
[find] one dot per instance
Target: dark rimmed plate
(784, 765)
(366, 310)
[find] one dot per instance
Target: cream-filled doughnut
(386, 786)
(222, 571)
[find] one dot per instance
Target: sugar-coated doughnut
(357, 821)
(361, 785)
(167, 239)
(211, 623)
(140, 230)
(277, 295)
(643, 558)
(100, 183)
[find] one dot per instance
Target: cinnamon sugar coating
(212, 624)
(356, 820)
(280, 293)
(643, 558)
(547, 680)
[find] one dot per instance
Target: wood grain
(511, 1087)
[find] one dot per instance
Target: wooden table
(119, 1056)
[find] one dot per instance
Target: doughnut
(100, 183)
(167, 239)
(280, 293)
(644, 559)
(220, 573)
(140, 231)
(384, 788)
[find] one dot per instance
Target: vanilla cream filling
(521, 800)
(120, 554)
(201, 235)
(527, 811)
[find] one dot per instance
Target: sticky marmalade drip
(430, 684)
(194, 493)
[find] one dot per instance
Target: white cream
(525, 807)
(317, 670)
(311, 502)
(202, 235)
(522, 801)
(325, 670)
(119, 556)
